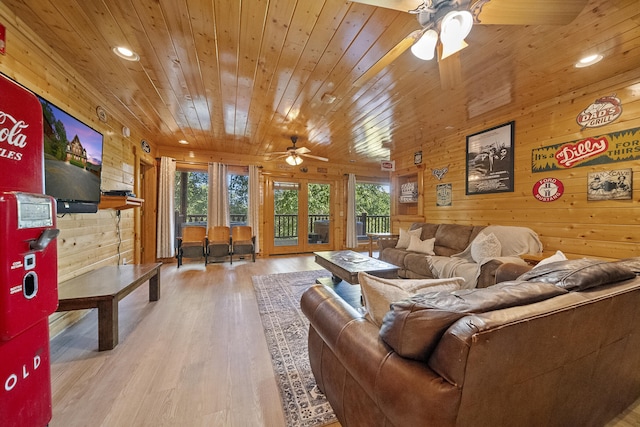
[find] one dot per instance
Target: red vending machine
(28, 262)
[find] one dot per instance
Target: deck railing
(286, 225)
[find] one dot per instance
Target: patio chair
(218, 243)
(243, 242)
(191, 244)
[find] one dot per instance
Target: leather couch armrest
(352, 364)
(390, 242)
(510, 271)
(487, 275)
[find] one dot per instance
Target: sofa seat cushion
(379, 293)
(415, 325)
(418, 263)
(579, 274)
(394, 256)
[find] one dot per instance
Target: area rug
(286, 329)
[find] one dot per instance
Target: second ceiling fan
(293, 155)
(446, 23)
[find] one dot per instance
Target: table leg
(154, 286)
(370, 246)
(107, 324)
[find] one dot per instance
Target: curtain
(352, 238)
(254, 203)
(218, 197)
(165, 246)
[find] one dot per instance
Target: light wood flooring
(196, 357)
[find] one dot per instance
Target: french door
(302, 219)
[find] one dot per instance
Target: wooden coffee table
(345, 265)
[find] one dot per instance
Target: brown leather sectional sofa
(560, 346)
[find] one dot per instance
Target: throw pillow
(405, 237)
(485, 246)
(422, 246)
(558, 256)
(378, 293)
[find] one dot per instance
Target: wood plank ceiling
(242, 76)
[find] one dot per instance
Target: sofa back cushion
(454, 238)
(414, 326)
(579, 274)
(428, 229)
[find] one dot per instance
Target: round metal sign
(548, 189)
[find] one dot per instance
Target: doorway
(302, 219)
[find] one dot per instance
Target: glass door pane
(319, 209)
(285, 209)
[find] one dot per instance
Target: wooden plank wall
(86, 241)
(572, 224)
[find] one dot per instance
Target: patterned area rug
(286, 329)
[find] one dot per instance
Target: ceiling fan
(293, 155)
(446, 23)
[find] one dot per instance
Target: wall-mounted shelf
(119, 202)
(407, 192)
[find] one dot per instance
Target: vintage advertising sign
(3, 40)
(548, 189)
(439, 173)
(443, 195)
(388, 165)
(602, 112)
(610, 185)
(21, 146)
(608, 148)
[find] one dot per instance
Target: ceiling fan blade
(527, 12)
(324, 159)
(401, 5)
(388, 58)
(278, 153)
(450, 70)
(302, 150)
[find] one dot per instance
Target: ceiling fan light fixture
(454, 28)
(425, 47)
(293, 160)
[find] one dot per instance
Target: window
(238, 198)
(191, 195)
(373, 208)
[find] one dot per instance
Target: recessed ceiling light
(126, 53)
(183, 142)
(589, 60)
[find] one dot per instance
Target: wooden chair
(218, 243)
(243, 242)
(192, 243)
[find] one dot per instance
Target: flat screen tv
(72, 161)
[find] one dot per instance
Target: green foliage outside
(197, 193)
(371, 199)
(197, 185)
(238, 194)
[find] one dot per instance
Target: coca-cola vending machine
(28, 262)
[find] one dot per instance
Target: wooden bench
(103, 289)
